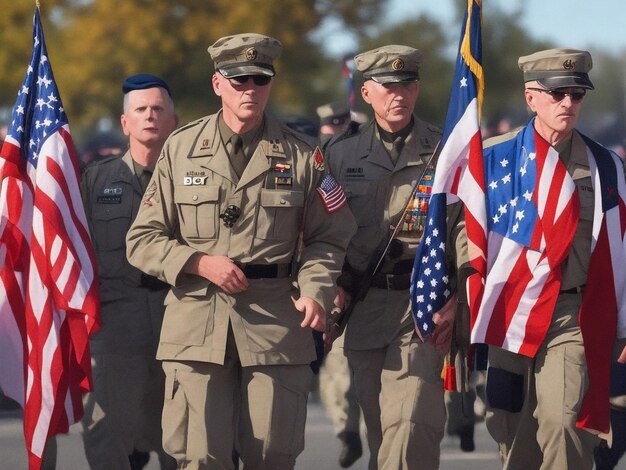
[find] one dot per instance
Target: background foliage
(94, 44)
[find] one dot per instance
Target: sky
(594, 25)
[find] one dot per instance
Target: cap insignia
(251, 53)
(397, 64)
(569, 64)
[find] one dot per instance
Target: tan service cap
(389, 64)
(245, 54)
(334, 113)
(558, 68)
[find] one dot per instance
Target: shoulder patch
(318, 160)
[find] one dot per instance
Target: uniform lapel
(127, 173)
(208, 152)
(270, 146)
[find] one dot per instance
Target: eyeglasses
(558, 96)
(259, 80)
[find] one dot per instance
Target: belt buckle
(389, 280)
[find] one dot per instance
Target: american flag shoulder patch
(331, 194)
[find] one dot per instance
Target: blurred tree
(94, 44)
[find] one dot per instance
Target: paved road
(322, 448)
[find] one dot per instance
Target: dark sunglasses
(558, 95)
(259, 80)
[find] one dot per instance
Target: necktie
(144, 179)
(237, 157)
(396, 148)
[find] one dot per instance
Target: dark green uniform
(398, 378)
(123, 412)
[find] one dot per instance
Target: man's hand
(341, 299)
(220, 270)
(444, 321)
(314, 314)
(622, 357)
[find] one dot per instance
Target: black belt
(573, 290)
(152, 283)
(391, 281)
(266, 271)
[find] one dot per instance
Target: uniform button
(283, 202)
(195, 197)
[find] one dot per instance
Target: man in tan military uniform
(397, 377)
(122, 413)
(533, 403)
(232, 196)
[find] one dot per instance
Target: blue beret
(142, 81)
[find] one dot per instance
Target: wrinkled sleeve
(325, 240)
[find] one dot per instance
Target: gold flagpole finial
(37, 3)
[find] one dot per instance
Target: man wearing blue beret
(123, 412)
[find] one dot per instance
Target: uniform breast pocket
(198, 208)
(279, 214)
(362, 202)
(586, 197)
(110, 223)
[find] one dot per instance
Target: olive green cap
(389, 64)
(558, 68)
(333, 113)
(245, 54)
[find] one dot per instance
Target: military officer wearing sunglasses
(224, 223)
(536, 397)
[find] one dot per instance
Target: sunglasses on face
(558, 95)
(259, 80)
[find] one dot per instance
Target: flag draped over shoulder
(532, 214)
(48, 286)
(461, 144)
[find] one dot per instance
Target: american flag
(532, 214)
(347, 71)
(331, 194)
(603, 312)
(48, 287)
(461, 141)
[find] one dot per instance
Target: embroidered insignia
(148, 197)
(318, 160)
(112, 195)
(194, 180)
(357, 172)
(397, 64)
(205, 144)
(331, 193)
(251, 53)
(284, 176)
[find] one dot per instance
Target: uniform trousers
(338, 392)
(400, 391)
(543, 434)
(123, 412)
(212, 409)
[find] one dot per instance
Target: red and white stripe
(48, 276)
(521, 284)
